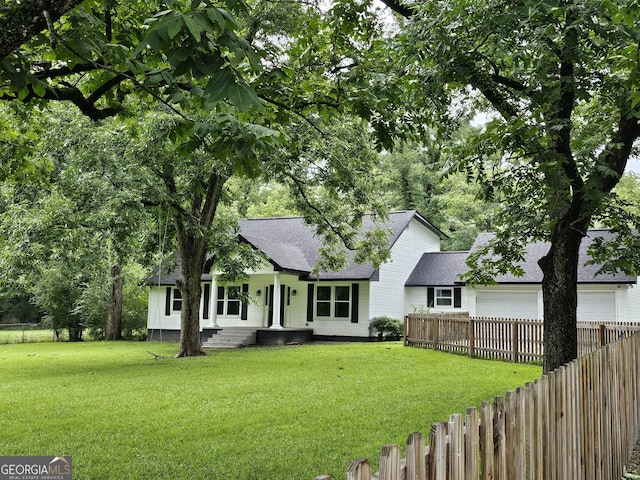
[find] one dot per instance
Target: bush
(387, 328)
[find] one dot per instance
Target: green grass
(263, 413)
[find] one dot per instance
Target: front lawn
(259, 413)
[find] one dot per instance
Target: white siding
(417, 300)
(156, 318)
(389, 297)
(633, 303)
(344, 327)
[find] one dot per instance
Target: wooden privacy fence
(579, 422)
(500, 338)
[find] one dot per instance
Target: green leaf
(174, 26)
(194, 27)
(239, 94)
(216, 17)
(39, 89)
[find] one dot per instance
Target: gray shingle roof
(293, 246)
(442, 268)
(438, 268)
(535, 251)
(168, 272)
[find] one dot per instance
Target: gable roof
(438, 268)
(443, 268)
(292, 246)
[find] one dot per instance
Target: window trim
(333, 303)
(225, 300)
(438, 297)
(176, 300)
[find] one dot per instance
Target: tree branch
(399, 8)
(298, 184)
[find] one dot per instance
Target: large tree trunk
(560, 296)
(192, 252)
(114, 316)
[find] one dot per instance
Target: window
(343, 297)
(444, 297)
(228, 301)
(333, 301)
(177, 300)
(323, 302)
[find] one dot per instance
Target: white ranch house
(290, 303)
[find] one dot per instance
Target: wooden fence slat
(438, 457)
(538, 422)
(510, 433)
(415, 468)
(487, 470)
(549, 432)
(389, 462)
(471, 445)
(499, 440)
(456, 447)
(359, 469)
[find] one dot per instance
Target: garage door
(596, 307)
(507, 304)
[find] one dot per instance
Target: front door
(269, 303)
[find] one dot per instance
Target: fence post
(472, 339)
(436, 331)
(515, 339)
(406, 329)
(602, 335)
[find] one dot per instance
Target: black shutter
(355, 290)
(430, 297)
(167, 302)
(457, 297)
(245, 303)
(206, 295)
(310, 302)
(220, 301)
(282, 302)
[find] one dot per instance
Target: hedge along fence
(578, 422)
(499, 338)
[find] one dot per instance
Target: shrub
(387, 328)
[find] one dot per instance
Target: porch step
(231, 338)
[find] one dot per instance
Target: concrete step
(231, 338)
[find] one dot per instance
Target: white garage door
(596, 307)
(507, 304)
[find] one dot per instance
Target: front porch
(239, 337)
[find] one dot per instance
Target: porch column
(213, 303)
(277, 301)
